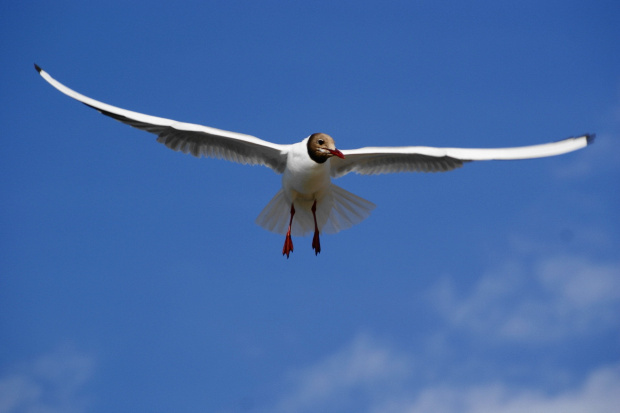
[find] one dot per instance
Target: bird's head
(321, 147)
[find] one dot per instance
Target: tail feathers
(275, 215)
(347, 210)
(336, 211)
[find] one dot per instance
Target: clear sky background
(133, 278)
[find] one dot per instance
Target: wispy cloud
(363, 367)
(532, 298)
(554, 297)
(366, 376)
(52, 383)
(599, 392)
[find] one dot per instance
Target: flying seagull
(307, 167)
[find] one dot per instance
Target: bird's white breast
(303, 177)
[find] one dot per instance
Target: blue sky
(133, 278)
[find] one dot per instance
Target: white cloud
(598, 393)
(50, 384)
(366, 376)
(556, 297)
(335, 380)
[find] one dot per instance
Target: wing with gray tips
(381, 160)
(190, 138)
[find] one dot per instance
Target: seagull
(307, 167)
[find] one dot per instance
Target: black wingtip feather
(590, 138)
(36, 66)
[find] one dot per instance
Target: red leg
(288, 241)
(316, 243)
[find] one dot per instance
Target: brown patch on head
(321, 147)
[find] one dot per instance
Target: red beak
(336, 152)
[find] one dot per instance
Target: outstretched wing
(382, 160)
(190, 138)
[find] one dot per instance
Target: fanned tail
(347, 210)
(338, 210)
(274, 217)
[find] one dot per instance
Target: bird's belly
(306, 184)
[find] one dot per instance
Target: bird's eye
(321, 141)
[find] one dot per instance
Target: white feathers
(382, 160)
(188, 137)
(347, 210)
(338, 210)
